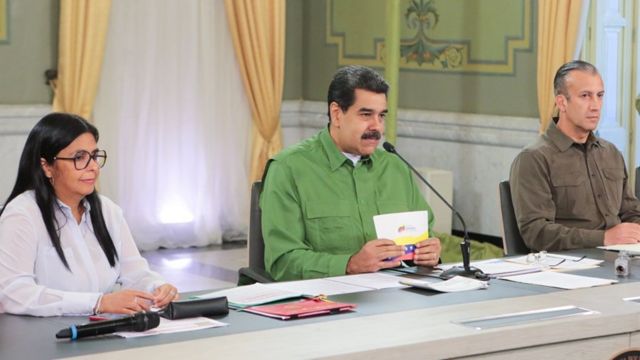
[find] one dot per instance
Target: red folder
(300, 309)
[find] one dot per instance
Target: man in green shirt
(570, 187)
(319, 197)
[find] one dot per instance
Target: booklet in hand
(300, 309)
(406, 229)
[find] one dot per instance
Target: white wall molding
(16, 121)
(503, 131)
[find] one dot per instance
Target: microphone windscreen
(390, 148)
(145, 321)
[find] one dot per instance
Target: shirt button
(599, 196)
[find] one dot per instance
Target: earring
(51, 180)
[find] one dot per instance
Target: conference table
(388, 323)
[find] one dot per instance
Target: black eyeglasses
(82, 159)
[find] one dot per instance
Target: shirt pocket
(331, 227)
(389, 207)
(572, 197)
(614, 182)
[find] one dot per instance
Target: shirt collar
(335, 156)
(85, 203)
(563, 142)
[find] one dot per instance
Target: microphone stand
(466, 269)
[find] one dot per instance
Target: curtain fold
(559, 29)
(175, 120)
(258, 31)
(82, 37)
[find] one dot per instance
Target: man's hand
(625, 233)
(372, 257)
(427, 252)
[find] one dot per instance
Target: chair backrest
(637, 188)
(256, 242)
(511, 240)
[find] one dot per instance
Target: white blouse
(33, 279)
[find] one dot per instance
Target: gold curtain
(558, 28)
(257, 28)
(83, 32)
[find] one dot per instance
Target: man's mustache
(373, 134)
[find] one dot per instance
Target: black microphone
(466, 269)
(138, 322)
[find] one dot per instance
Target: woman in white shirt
(64, 249)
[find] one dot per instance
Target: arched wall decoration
(436, 35)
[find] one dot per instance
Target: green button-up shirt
(318, 208)
(565, 195)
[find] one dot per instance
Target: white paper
(173, 326)
(316, 287)
(560, 262)
(405, 228)
(500, 268)
(369, 281)
(249, 295)
(633, 249)
(455, 284)
(560, 280)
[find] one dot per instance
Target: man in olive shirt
(319, 197)
(569, 187)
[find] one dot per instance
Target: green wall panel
(498, 37)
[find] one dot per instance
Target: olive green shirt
(318, 208)
(565, 195)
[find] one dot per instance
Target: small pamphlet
(455, 284)
(301, 309)
(406, 228)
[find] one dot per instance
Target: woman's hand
(125, 302)
(164, 294)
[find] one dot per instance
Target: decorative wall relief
(461, 36)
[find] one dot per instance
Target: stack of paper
(633, 249)
(455, 284)
(560, 280)
(249, 295)
(560, 262)
(499, 268)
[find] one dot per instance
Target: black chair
(255, 272)
(512, 242)
(637, 188)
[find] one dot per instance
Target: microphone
(137, 322)
(466, 269)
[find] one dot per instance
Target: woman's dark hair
(51, 134)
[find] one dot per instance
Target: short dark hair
(349, 78)
(560, 80)
(51, 134)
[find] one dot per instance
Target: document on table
(258, 294)
(249, 295)
(318, 287)
(633, 249)
(172, 326)
(455, 284)
(500, 268)
(370, 281)
(560, 262)
(560, 280)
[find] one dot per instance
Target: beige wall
(31, 49)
